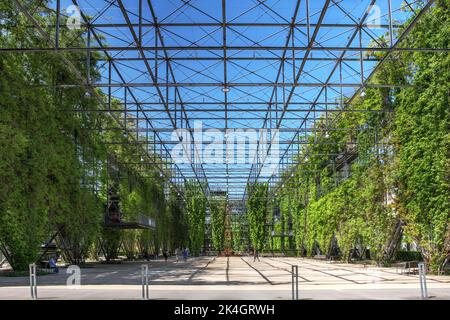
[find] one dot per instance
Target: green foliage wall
(403, 159)
(422, 139)
(218, 210)
(178, 226)
(46, 152)
(53, 160)
(257, 214)
(195, 213)
(238, 231)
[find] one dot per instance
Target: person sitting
(53, 265)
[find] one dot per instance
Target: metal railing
(33, 281)
(144, 282)
(294, 273)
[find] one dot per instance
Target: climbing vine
(218, 212)
(238, 231)
(196, 213)
(178, 227)
(422, 139)
(257, 214)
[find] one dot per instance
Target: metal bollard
(144, 281)
(423, 280)
(294, 273)
(33, 281)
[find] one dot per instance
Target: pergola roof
(247, 64)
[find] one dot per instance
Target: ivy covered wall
(196, 213)
(54, 159)
(218, 209)
(257, 214)
(400, 174)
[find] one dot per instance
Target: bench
(334, 258)
(46, 267)
(320, 257)
(278, 254)
(407, 267)
(273, 254)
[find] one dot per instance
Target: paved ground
(231, 278)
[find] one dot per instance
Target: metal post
(146, 138)
(340, 81)
(137, 126)
(140, 23)
(284, 90)
(156, 51)
(294, 274)
(175, 107)
(296, 281)
(276, 105)
(423, 280)
(58, 19)
(293, 53)
(144, 282)
(88, 55)
(391, 32)
(326, 109)
(109, 82)
(308, 23)
(126, 108)
(361, 59)
(33, 281)
(293, 283)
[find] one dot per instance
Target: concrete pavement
(231, 278)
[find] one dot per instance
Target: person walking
(255, 255)
(177, 252)
(166, 256)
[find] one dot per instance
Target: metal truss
(249, 64)
(288, 167)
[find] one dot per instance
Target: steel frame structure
(256, 65)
